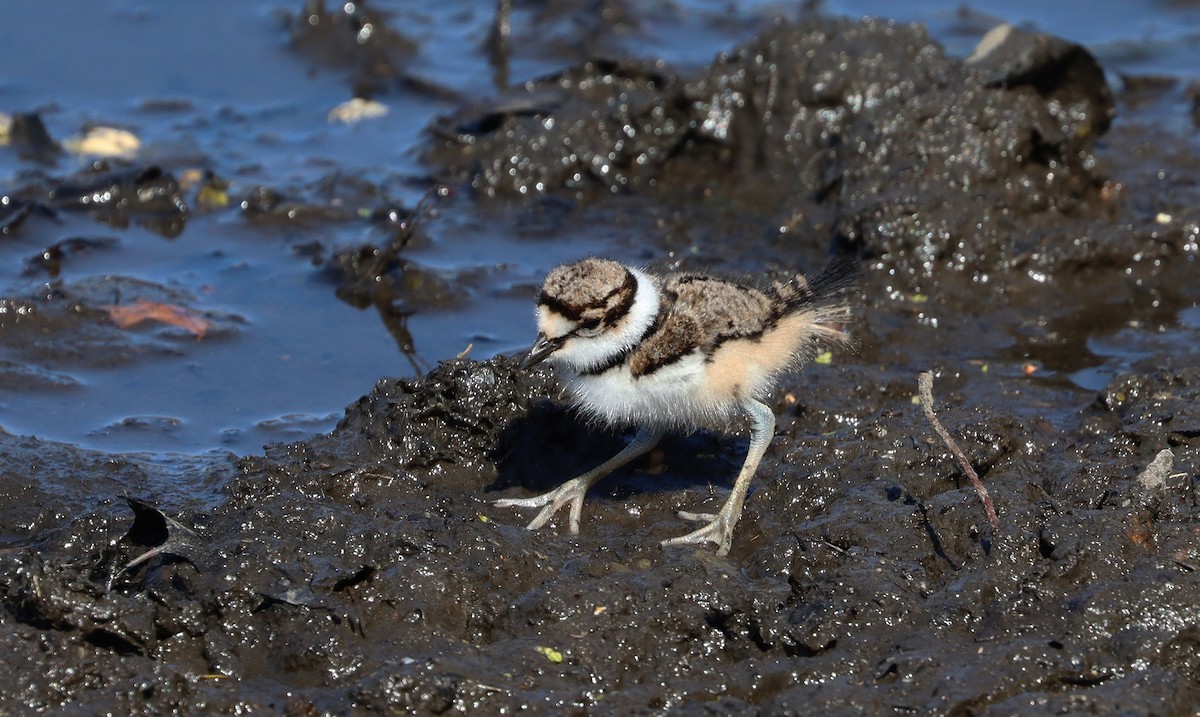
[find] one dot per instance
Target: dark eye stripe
(587, 329)
(558, 307)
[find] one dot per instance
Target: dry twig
(925, 388)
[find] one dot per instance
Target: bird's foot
(719, 530)
(569, 493)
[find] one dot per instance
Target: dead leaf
(1141, 530)
(140, 310)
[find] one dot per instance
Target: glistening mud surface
(1040, 261)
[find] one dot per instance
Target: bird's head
(582, 312)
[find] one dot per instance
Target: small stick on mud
(925, 388)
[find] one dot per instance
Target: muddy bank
(863, 133)
(366, 571)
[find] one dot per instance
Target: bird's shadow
(553, 443)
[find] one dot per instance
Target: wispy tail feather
(824, 302)
(835, 282)
(838, 279)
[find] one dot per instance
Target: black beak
(542, 348)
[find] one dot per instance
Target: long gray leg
(575, 489)
(720, 525)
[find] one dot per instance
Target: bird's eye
(588, 328)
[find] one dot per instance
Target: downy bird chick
(678, 351)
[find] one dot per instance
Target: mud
(862, 120)
(1012, 242)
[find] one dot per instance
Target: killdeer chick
(678, 351)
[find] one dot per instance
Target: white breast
(675, 395)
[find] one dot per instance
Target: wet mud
(1037, 257)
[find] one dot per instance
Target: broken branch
(925, 389)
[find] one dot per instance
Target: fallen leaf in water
(141, 310)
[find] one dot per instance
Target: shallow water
(221, 86)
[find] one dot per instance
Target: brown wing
(724, 310)
(701, 313)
